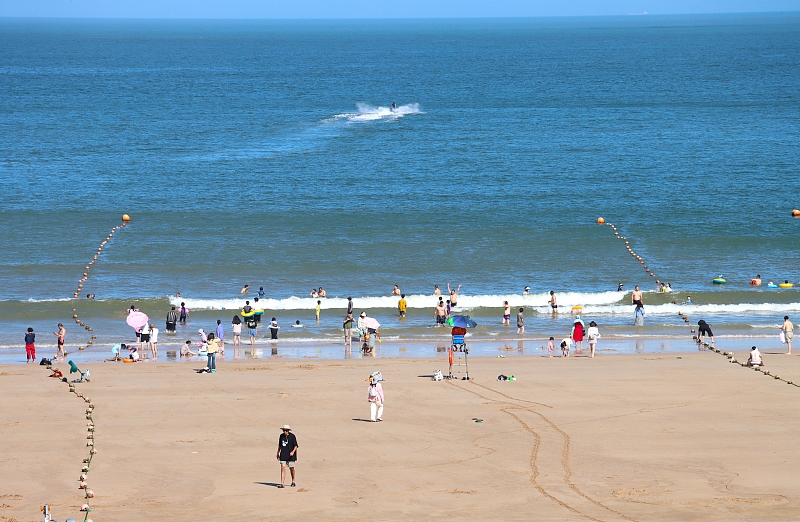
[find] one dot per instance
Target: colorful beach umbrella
(461, 321)
(137, 319)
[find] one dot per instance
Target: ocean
(267, 153)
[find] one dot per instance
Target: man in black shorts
(287, 453)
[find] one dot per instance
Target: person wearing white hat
(287, 453)
(375, 398)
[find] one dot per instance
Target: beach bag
(782, 337)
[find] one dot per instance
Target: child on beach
(317, 309)
(565, 346)
(376, 400)
(550, 347)
(592, 333)
(236, 325)
(30, 348)
(154, 341)
(521, 322)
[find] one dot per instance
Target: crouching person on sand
(755, 358)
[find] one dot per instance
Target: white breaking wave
(368, 112)
(599, 303)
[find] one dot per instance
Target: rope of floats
(601, 221)
(83, 483)
(125, 220)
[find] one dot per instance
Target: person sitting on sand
(186, 350)
(565, 346)
(755, 358)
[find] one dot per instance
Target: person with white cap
(287, 453)
(361, 327)
(375, 397)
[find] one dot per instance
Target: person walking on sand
(376, 400)
(287, 453)
(453, 295)
(521, 321)
(61, 334)
(402, 305)
(788, 332)
(592, 334)
(212, 347)
(30, 347)
(577, 334)
(553, 302)
(347, 326)
(506, 314)
(636, 296)
(317, 309)
(172, 320)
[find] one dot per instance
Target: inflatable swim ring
(252, 313)
(577, 309)
(719, 281)
(786, 285)
(128, 360)
(753, 282)
(772, 285)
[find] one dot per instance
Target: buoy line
(90, 441)
(601, 221)
(125, 220)
(732, 359)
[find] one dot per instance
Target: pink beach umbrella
(136, 320)
(370, 322)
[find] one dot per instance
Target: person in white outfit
(375, 397)
(755, 358)
(592, 333)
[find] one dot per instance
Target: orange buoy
(126, 217)
(600, 221)
(796, 213)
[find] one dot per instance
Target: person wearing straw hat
(375, 398)
(287, 453)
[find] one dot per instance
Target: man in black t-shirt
(287, 453)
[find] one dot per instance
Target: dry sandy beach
(623, 437)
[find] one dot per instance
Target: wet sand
(672, 436)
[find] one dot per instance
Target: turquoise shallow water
(265, 153)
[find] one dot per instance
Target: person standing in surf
(453, 295)
(172, 320)
(184, 314)
(552, 302)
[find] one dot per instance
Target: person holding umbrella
(371, 327)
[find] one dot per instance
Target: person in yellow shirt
(401, 305)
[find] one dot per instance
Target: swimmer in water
(394, 107)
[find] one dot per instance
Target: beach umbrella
(137, 319)
(461, 321)
(370, 322)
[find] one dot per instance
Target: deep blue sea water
(265, 153)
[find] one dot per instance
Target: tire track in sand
(551, 471)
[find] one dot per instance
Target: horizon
(372, 10)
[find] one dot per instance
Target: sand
(622, 437)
